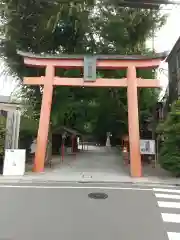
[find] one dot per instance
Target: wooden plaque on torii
(131, 63)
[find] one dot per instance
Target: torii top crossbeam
(95, 61)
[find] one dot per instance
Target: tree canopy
(85, 26)
(169, 155)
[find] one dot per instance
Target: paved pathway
(168, 200)
(101, 160)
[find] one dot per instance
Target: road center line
(74, 187)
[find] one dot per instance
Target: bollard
(62, 152)
(125, 155)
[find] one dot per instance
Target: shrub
(169, 156)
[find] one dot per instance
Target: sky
(164, 41)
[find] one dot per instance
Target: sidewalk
(97, 165)
(86, 178)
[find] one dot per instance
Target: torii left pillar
(44, 121)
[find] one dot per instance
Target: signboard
(90, 68)
(147, 147)
(14, 162)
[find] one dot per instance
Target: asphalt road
(54, 211)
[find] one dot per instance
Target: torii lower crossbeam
(100, 82)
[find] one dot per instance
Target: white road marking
(139, 184)
(173, 236)
(155, 185)
(166, 190)
(170, 196)
(74, 187)
(169, 204)
(171, 217)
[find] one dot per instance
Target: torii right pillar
(133, 123)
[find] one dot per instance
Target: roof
(162, 55)
(175, 48)
(63, 129)
(148, 4)
(7, 100)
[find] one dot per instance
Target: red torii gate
(131, 63)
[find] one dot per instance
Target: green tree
(169, 157)
(100, 27)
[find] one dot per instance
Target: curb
(23, 181)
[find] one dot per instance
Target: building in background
(11, 111)
(173, 61)
(173, 89)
